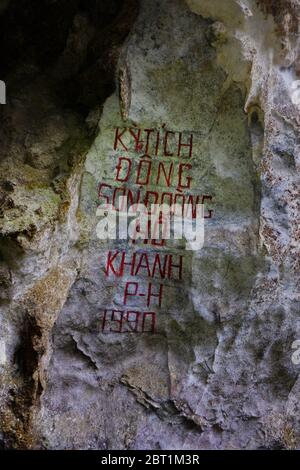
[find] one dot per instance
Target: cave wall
(218, 373)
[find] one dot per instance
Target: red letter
(118, 139)
(127, 292)
(168, 178)
(152, 329)
(159, 295)
(119, 321)
(109, 264)
(157, 261)
(147, 199)
(147, 162)
(178, 266)
(190, 145)
(210, 211)
(101, 185)
(166, 153)
(149, 131)
(138, 142)
(119, 168)
(104, 320)
(141, 265)
(188, 178)
(135, 321)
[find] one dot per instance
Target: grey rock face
(218, 373)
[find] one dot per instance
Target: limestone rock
(218, 373)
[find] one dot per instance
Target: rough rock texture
(218, 374)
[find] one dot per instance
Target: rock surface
(218, 373)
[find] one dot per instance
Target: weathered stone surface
(219, 373)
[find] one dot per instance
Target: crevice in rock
(170, 411)
(83, 354)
